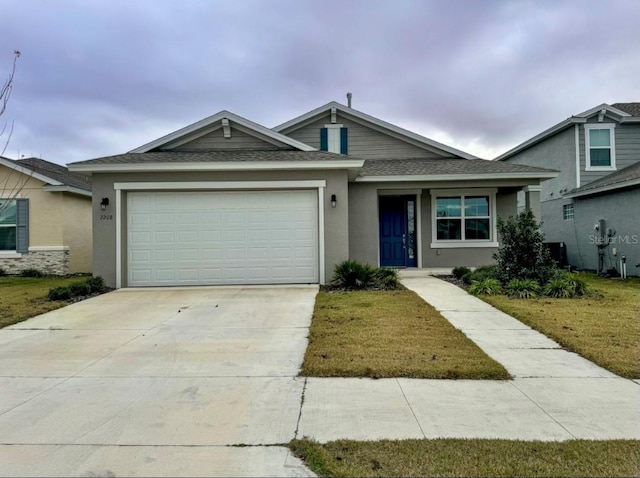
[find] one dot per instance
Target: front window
(463, 218)
(8, 223)
(600, 147)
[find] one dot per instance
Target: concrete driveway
(156, 382)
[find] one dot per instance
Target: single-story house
(593, 205)
(228, 201)
(45, 218)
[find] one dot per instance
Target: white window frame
(334, 141)
(10, 252)
(568, 214)
(461, 243)
(587, 146)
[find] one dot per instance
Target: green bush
(460, 271)
(356, 275)
(566, 285)
(522, 253)
(386, 279)
(79, 289)
(485, 287)
(31, 273)
(480, 274)
(96, 284)
(2, 272)
(523, 289)
(60, 293)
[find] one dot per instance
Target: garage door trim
(320, 185)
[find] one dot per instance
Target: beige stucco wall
(56, 220)
(77, 232)
(104, 224)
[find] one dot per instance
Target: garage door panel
(248, 237)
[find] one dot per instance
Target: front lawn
(389, 334)
(457, 457)
(24, 297)
(604, 329)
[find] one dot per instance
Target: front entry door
(398, 231)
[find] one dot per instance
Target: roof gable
(55, 176)
(373, 123)
(221, 120)
(614, 112)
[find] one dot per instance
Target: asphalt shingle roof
(56, 171)
(419, 167)
(632, 108)
(619, 179)
(216, 156)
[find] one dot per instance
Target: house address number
(106, 217)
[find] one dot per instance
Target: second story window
(333, 138)
(600, 151)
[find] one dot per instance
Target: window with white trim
(464, 219)
(600, 151)
(8, 225)
(333, 138)
(567, 212)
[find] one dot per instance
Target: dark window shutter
(324, 139)
(22, 225)
(343, 141)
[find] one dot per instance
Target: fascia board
(207, 166)
(363, 117)
(540, 137)
(603, 189)
(29, 172)
(67, 189)
(457, 177)
(176, 135)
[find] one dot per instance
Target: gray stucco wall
(364, 232)
(621, 212)
(104, 223)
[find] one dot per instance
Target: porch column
(532, 199)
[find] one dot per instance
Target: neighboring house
(593, 206)
(228, 201)
(45, 218)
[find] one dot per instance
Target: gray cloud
(99, 78)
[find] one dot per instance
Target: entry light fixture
(104, 203)
(334, 201)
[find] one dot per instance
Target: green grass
(389, 334)
(458, 457)
(604, 328)
(24, 297)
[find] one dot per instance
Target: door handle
(404, 240)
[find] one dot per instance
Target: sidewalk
(555, 394)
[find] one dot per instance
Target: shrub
(31, 273)
(485, 287)
(96, 284)
(565, 286)
(80, 289)
(353, 275)
(2, 272)
(522, 289)
(60, 293)
(480, 274)
(522, 253)
(460, 271)
(386, 279)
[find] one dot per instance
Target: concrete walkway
(555, 394)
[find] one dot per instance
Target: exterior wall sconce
(334, 201)
(104, 203)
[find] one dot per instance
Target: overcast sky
(98, 78)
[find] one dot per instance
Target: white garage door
(215, 237)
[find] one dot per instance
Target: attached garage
(222, 237)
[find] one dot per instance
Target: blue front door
(397, 231)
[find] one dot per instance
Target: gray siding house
(228, 201)
(593, 205)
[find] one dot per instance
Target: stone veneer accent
(52, 262)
